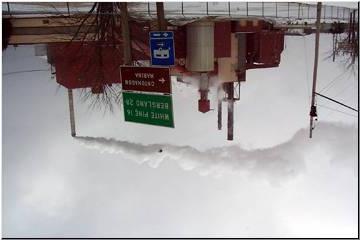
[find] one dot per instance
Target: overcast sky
(271, 181)
(350, 4)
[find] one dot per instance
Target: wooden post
(317, 38)
(162, 26)
(219, 114)
(125, 33)
(219, 109)
(72, 114)
(241, 66)
(230, 123)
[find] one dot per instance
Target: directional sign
(147, 79)
(148, 109)
(162, 48)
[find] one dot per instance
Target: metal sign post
(153, 109)
(162, 48)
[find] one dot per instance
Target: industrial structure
(85, 56)
(224, 50)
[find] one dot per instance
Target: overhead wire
(26, 71)
(348, 97)
(343, 89)
(344, 75)
(331, 83)
(336, 110)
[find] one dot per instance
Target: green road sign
(148, 108)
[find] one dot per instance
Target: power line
(336, 110)
(342, 104)
(343, 89)
(331, 83)
(25, 71)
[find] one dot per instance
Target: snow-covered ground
(271, 181)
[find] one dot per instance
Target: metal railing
(189, 10)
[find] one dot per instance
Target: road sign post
(153, 109)
(162, 48)
(148, 109)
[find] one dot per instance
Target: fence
(189, 10)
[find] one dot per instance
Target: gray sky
(272, 181)
(349, 4)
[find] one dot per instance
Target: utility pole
(72, 114)
(125, 32)
(162, 26)
(313, 112)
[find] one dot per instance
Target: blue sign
(162, 48)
